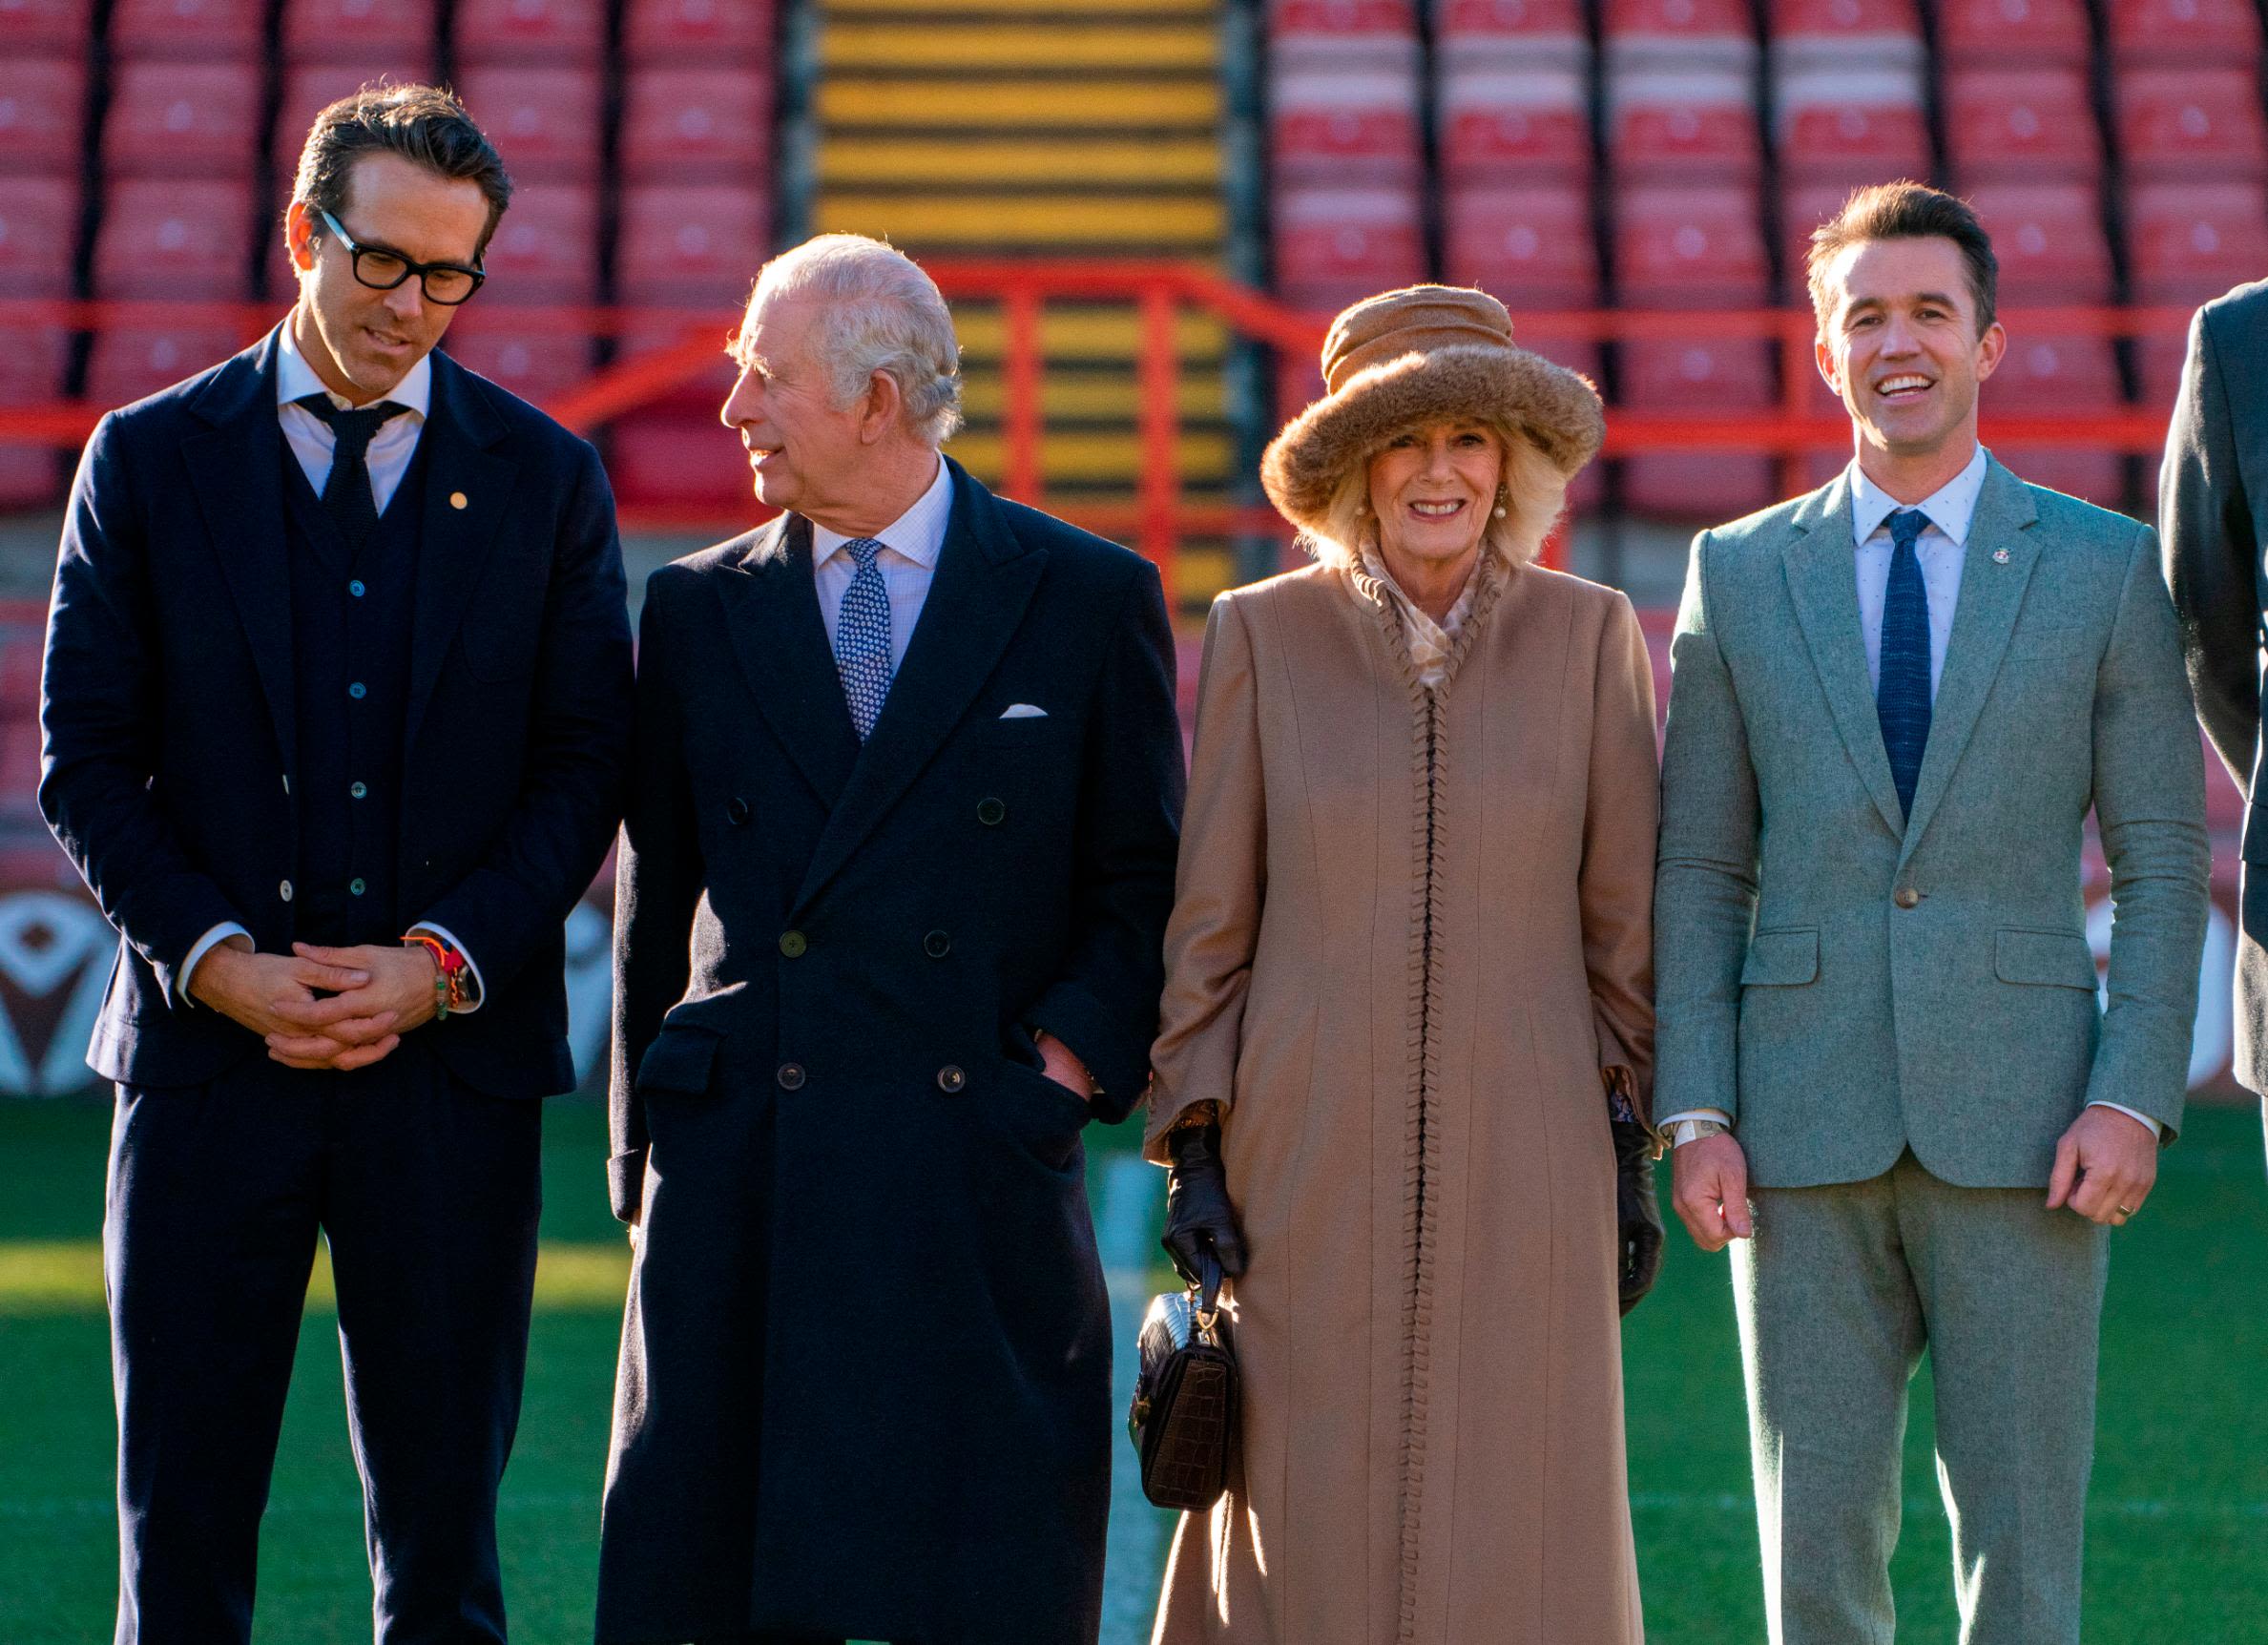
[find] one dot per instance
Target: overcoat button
(284, 891)
(992, 813)
(735, 811)
(1907, 897)
(458, 499)
(937, 945)
(791, 1076)
(792, 944)
(950, 1079)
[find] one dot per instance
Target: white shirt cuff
(205, 945)
(2155, 1129)
(1669, 1122)
(473, 1000)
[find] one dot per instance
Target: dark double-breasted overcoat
(866, 1361)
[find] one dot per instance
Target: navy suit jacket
(168, 746)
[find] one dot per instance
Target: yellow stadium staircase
(1021, 129)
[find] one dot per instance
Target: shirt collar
(296, 379)
(918, 533)
(1950, 507)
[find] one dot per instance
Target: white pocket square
(1023, 711)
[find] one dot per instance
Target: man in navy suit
(336, 715)
(890, 920)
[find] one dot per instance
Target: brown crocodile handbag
(1184, 1416)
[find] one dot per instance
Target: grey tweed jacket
(1848, 982)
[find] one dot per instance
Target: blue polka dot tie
(862, 637)
(1902, 692)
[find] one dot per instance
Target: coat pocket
(1782, 959)
(679, 1060)
(2057, 959)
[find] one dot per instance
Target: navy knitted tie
(347, 496)
(1901, 693)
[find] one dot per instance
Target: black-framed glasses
(447, 284)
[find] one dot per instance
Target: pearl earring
(1500, 500)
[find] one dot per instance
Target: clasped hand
(321, 1007)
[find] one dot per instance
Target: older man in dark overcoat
(891, 904)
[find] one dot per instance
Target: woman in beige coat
(1408, 990)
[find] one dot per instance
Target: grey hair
(877, 312)
(1535, 494)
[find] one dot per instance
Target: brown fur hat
(1423, 354)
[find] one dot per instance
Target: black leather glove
(1637, 1219)
(1200, 1223)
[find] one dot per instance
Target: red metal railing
(1160, 516)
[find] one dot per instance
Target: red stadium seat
(174, 236)
(42, 100)
(2057, 376)
(667, 459)
(716, 33)
(704, 393)
(2188, 242)
(182, 119)
(1344, 125)
(2048, 237)
(546, 249)
(45, 28)
(2008, 125)
(131, 363)
(32, 361)
(209, 30)
(2174, 124)
(1837, 125)
(1531, 246)
(1686, 247)
(1698, 377)
(1346, 18)
(691, 244)
(543, 121)
(356, 32)
(2206, 34)
(1864, 22)
(1497, 124)
(39, 228)
(1699, 124)
(696, 125)
(1329, 241)
(1983, 34)
(531, 32)
(534, 362)
(1678, 19)
(314, 87)
(1510, 34)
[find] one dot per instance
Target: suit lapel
(985, 579)
(237, 471)
(453, 543)
(1823, 580)
(772, 614)
(1992, 592)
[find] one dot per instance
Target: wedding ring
(2126, 1210)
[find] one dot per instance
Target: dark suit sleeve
(659, 878)
(100, 719)
(1104, 1006)
(578, 745)
(2206, 524)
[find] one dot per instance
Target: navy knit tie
(1901, 693)
(347, 496)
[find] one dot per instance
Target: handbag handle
(1204, 1297)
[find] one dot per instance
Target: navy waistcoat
(351, 620)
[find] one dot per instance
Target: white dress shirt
(1941, 549)
(911, 545)
(312, 442)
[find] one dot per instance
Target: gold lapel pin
(458, 499)
(2000, 556)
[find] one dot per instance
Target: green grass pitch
(2177, 1524)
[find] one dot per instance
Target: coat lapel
(237, 471)
(453, 543)
(1824, 579)
(1992, 592)
(985, 579)
(772, 614)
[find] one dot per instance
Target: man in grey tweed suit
(1881, 1055)
(2213, 509)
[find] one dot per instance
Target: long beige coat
(1410, 931)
